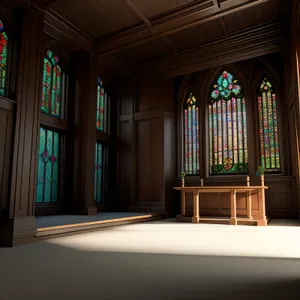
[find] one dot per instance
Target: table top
(229, 188)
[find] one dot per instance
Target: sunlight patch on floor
(190, 239)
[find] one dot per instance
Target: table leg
(183, 203)
(262, 208)
(249, 205)
(195, 218)
(233, 219)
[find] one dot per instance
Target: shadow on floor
(47, 271)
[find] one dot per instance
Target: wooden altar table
(233, 190)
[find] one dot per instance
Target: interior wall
(142, 150)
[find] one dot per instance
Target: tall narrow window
(48, 166)
(227, 127)
(3, 58)
(52, 85)
(99, 173)
(268, 127)
(191, 135)
(101, 106)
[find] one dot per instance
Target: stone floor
(158, 260)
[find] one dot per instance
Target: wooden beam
(62, 31)
(192, 15)
(139, 13)
(256, 42)
(223, 25)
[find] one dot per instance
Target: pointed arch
(228, 151)
(268, 126)
(191, 134)
(52, 85)
(3, 58)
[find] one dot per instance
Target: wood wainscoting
(280, 198)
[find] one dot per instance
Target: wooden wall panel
(6, 136)
(149, 159)
(125, 163)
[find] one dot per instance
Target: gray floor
(158, 260)
(49, 221)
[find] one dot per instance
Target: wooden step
(52, 231)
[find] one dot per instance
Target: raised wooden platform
(66, 224)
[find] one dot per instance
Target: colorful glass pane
(99, 172)
(191, 135)
(3, 58)
(48, 166)
(52, 85)
(227, 127)
(268, 127)
(100, 105)
(225, 88)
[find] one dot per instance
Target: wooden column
(19, 226)
(86, 76)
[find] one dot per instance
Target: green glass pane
(48, 166)
(41, 168)
(100, 105)
(46, 95)
(55, 175)
(3, 58)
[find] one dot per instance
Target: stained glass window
(52, 85)
(3, 58)
(268, 127)
(227, 127)
(101, 106)
(191, 135)
(48, 166)
(99, 172)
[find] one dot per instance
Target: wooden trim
(53, 122)
(7, 103)
(138, 13)
(192, 15)
(95, 223)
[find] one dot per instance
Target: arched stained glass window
(191, 135)
(268, 127)
(101, 106)
(227, 127)
(52, 85)
(3, 58)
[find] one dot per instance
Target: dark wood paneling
(149, 159)
(126, 162)
(6, 137)
(20, 223)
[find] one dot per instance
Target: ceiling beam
(139, 13)
(256, 42)
(223, 25)
(192, 15)
(65, 32)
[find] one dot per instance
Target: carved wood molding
(192, 15)
(252, 43)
